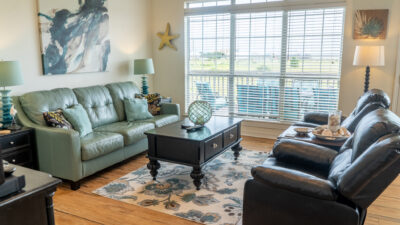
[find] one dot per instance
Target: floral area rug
(218, 202)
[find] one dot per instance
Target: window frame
(234, 10)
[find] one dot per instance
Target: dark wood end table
(290, 133)
(19, 148)
(34, 204)
(173, 144)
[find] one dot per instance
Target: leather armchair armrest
(305, 154)
(295, 181)
(316, 118)
(319, 118)
(168, 108)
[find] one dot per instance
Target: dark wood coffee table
(310, 138)
(173, 144)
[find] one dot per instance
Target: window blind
(273, 65)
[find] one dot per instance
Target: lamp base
(6, 101)
(145, 87)
(366, 82)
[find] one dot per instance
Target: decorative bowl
(200, 112)
(302, 131)
(323, 133)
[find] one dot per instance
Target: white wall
(130, 22)
(169, 79)
(170, 67)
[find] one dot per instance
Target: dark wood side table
(173, 144)
(32, 206)
(290, 133)
(19, 147)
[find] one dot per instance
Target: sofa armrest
(295, 181)
(305, 154)
(59, 150)
(316, 118)
(168, 108)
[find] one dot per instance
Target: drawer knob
(11, 143)
(215, 145)
(231, 136)
(13, 160)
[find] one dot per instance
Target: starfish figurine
(166, 38)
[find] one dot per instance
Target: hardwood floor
(82, 207)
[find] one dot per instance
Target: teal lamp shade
(10, 75)
(143, 67)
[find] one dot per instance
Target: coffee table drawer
(230, 136)
(213, 146)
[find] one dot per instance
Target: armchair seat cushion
(131, 131)
(97, 144)
(162, 120)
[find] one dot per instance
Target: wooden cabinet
(19, 148)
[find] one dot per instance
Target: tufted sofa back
(98, 104)
(119, 92)
(370, 160)
(36, 103)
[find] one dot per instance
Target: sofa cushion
(36, 103)
(98, 144)
(162, 120)
(57, 119)
(98, 104)
(79, 119)
(136, 109)
(119, 92)
(132, 131)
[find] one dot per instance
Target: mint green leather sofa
(63, 153)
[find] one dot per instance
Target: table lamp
(369, 56)
(10, 75)
(143, 67)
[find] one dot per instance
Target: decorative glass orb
(200, 112)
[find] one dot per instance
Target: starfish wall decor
(166, 38)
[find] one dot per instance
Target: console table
(173, 144)
(32, 206)
(290, 133)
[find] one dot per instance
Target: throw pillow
(56, 119)
(79, 119)
(136, 109)
(153, 101)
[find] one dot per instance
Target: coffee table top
(212, 127)
(311, 138)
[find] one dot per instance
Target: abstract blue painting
(74, 35)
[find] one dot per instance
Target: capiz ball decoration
(200, 112)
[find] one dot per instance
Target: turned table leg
(153, 166)
(236, 150)
(197, 175)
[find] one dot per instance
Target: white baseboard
(263, 129)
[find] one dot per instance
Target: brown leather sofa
(307, 184)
